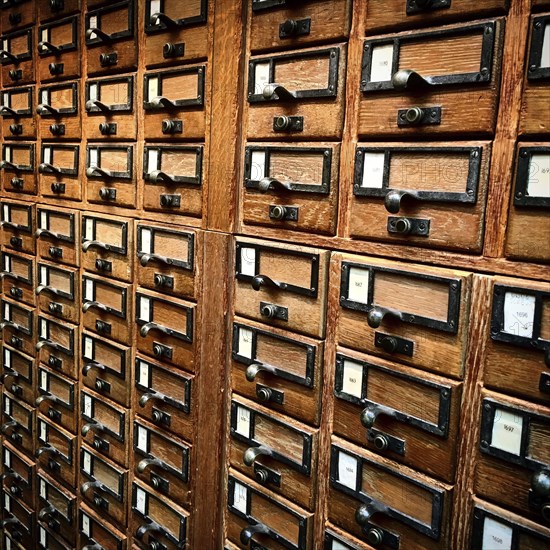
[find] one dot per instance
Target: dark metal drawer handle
(263, 280)
(7, 111)
(49, 46)
(253, 370)
(11, 324)
(47, 233)
(90, 305)
(276, 91)
(47, 449)
(9, 427)
(365, 512)
(266, 184)
(392, 201)
(97, 171)
(84, 488)
(14, 226)
(148, 327)
(146, 258)
(376, 315)
(8, 475)
(47, 512)
(252, 453)
(9, 55)
(46, 167)
(45, 108)
(151, 396)
(161, 102)
(158, 176)
(94, 244)
(163, 18)
(11, 374)
(48, 344)
(47, 397)
(248, 532)
(91, 103)
(92, 426)
(373, 411)
(8, 164)
(8, 521)
(406, 79)
(146, 462)
(93, 547)
(46, 288)
(103, 36)
(92, 365)
(150, 527)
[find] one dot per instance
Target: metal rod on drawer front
(159, 176)
(47, 344)
(11, 324)
(376, 315)
(161, 102)
(96, 170)
(93, 547)
(264, 280)
(46, 449)
(252, 453)
(47, 397)
(406, 79)
(41, 288)
(11, 374)
(365, 512)
(154, 395)
(85, 487)
(265, 184)
(94, 244)
(96, 426)
(8, 54)
(392, 201)
(49, 46)
(96, 103)
(146, 462)
(7, 521)
(47, 512)
(153, 526)
(92, 365)
(9, 427)
(7, 475)
(253, 369)
(8, 164)
(163, 18)
(276, 91)
(146, 258)
(7, 111)
(248, 532)
(47, 233)
(12, 225)
(89, 305)
(145, 329)
(103, 36)
(44, 107)
(48, 168)
(372, 412)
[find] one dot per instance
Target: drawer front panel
(18, 114)
(94, 530)
(18, 273)
(59, 116)
(58, 233)
(57, 345)
(48, 9)
(19, 326)
(18, 168)
(19, 474)
(16, 14)
(18, 375)
(17, 58)
(24, 520)
(59, 171)
(18, 425)
(58, 291)
(18, 223)
(57, 398)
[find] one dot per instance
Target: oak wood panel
(18, 374)
(64, 279)
(23, 483)
(26, 11)
(100, 530)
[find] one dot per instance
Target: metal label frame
(323, 189)
(186, 382)
(71, 217)
(122, 250)
(188, 235)
(489, 407)
(120, 475)
(68, 295)
(178, 103)
(497, 318)
(70, 46)
(7, 93)
(304, 468)
(53, 146)
(259, 5)
(62, 327)
(118, 107)
(64, 110)
(29, 415)
(26, 56)
(183, 22)
(469, 195)
(331, 91)
(120, 352)
(67, 458)
(453, 311)
(29, 314)
(432, 530)
(483, 76)
(129, 174)
(440, 429)
(192, 180)
(69, 503)
(19, 167)
(46, 391)
(27, 376)
(108, 309)
(535, 72)
(121, 35)
(104, 402)
(28, 279)
(22, 228)
(301, 521)
(310, 352)
(311, 292)
(521, 195)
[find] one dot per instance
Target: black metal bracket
(535, 72)
(269, 395)
(272, 311)
(526, 170)
(288, 124)
(171, 50)
(419, 116)
(386, 442)
(266, 476)
(399, 225)
(295, 27)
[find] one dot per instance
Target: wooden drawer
(110, 33)
(176, 32)
(163, 462)
(168, 259)
(18, 375)
(263, 519)
(105, 426)
(107, 244)
(291, 187)
(157, 521)
(17, 111)
(280, 453)
(336, 539)
(535, 111)
(166, 329)
(442, 82)
(18, 519)
(383, 15)
(18, 168)
(48, 539)
(528, 227)
(94, 529)
(106, 368)
(415, 423)
(110, 108)
(513, 462)
(107, 308)
(165, 396)
(56, 509)
(282, 285)
(58, 48)
(174, 103)
(58, 291)
(410, 313)
(18, 276)
(59, 116)
(281, 370)
(18, 223)
(111, 175)
(103, 486)
(58, 235)
(172, 179)
(17, 13)
(432, 194)
(18, 423)
(286, 24)
(518, 337)
(56, 451)
(57, 399)
(57, 345)
(492, 526)
(16, 57)
(19, 326)
(298, 94)
(19, 475)
(372, 497)
(48, 9)
(59, 171)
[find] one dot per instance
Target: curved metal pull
(159, 176)
(146, 258)
(372, 412)
(252, 453)
(103, 36)
(407, 79)
(10, 374)
(151, 396)
(163, 18)
(276, 91)
(253, 370)
(46, 167)
(47, 233)
(153, 526)
(266, 184)
(540, 483)
(45, 288)
(84, 488)
(7, 521)
(47, 397)
(11, 324)
(91, 103)
(365, 512)
(98, 171)
(47, 512)
(9, 427)
(146, 462)
(47, 344)
(148, 327)
(7, 111)
(90, 305)
(8, 164)
(7, 475)
(94, 244)
(93, 547)
(248, 532)
(376, 315)
(95, 426)
(392, 201)
(49, 46)
(47, 449)
(92, 365)
(263, 280)
(11, 225)
(161, 102)
(44, 107)
(9, 55)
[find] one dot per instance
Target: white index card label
(539, 176)
(240, 497)
(373, 170)
(141, 500)
(261, 77)
(243, 421)
(507, 431)
(245, 342)
(257, 165)
(381, 63)
(519, 314)
(358, 287)
(248, 261)
(496, 535)
(146, 237)
(352, 381)
(347, 470)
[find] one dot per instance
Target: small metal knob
(540, 483)
(154, 545)
(54, 252)
(15, 490)
(97, 445)
(403, 226)
(545, 511)
(261, 476)
(100, 385)
(57, 129)
(160, 280)
(269, 311)
(102, 265)
(169, 50)
(107, 60)
(16, 129)
(56, 5)
(278, 213)
(289, 27)
(15, 75)
(388, 344)
(17, 183)
(166, 200)
(375, 536)
(381, 442)
(157, 417)
(264, 394)
(414, 115)
(55, 68)
(105, 193)
(282, 122)
(157, 350)
(155, 482)
(168, 126)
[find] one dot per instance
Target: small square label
(246, 337)
(352, 379)
(496, 535)
(507, 431)
(243, 422)
(358, 286)
(519, 314)
(248, 261)
(347, 470)
(539, 176)
(381, 63)
(373, 170)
